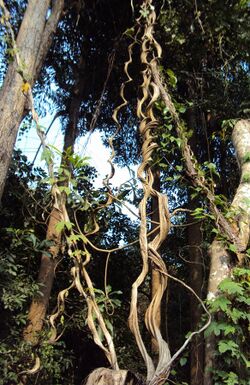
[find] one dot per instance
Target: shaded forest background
(205, 68)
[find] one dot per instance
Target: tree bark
(33, 42)
(39, 305)
(220, 266)
(38, 308)
(196, 271)
(104, 376)
(196, 280)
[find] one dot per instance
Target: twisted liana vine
(151, 91)
(78, 244)
(192, 168)
(78, 272)
(150, 52)
(81, 279)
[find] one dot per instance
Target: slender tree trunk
(196, 273)
(220, 266)
(39, 305)
(33, 42)
(196, 280)
(45, 280)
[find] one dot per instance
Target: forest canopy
(146, 283)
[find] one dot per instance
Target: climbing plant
(180, 78)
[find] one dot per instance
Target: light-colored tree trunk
(220, 267)
(104, 376)
(32, 43)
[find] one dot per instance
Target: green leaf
(55, 149)
(246, 177)
(33, 239)
(68, 225)
(247, 362)
(109, 326)
(65, 189)
(225, 346)
(232, 379)
(163, 165)
(62, 224)
(232, 248)
(212, 329)
(178, 141)
(212, 167)
(229, 329)
(246, 157)
(231, 287)
(130, 32)
(182, 109)
(47, 155)
(243, 299)
(144, 12)
(183, 361)
(172, 77)
(237, 314)
(181, 40)
(74, 237)
(220, 303)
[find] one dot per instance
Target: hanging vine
(78, 244)
(151, 91)
(150, 52)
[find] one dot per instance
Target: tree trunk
(104, 376)
(33, 42)
(196, 280)
(196, 272)
(39, 305)
(220, 267)
(38, 308)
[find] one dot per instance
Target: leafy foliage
(230, 326)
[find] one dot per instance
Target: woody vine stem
(151, 92)
(78, 244)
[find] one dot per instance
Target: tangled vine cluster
(78, 245)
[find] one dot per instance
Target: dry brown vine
(150, 53)
(192, 168)
(79, 271)
(152, 88)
